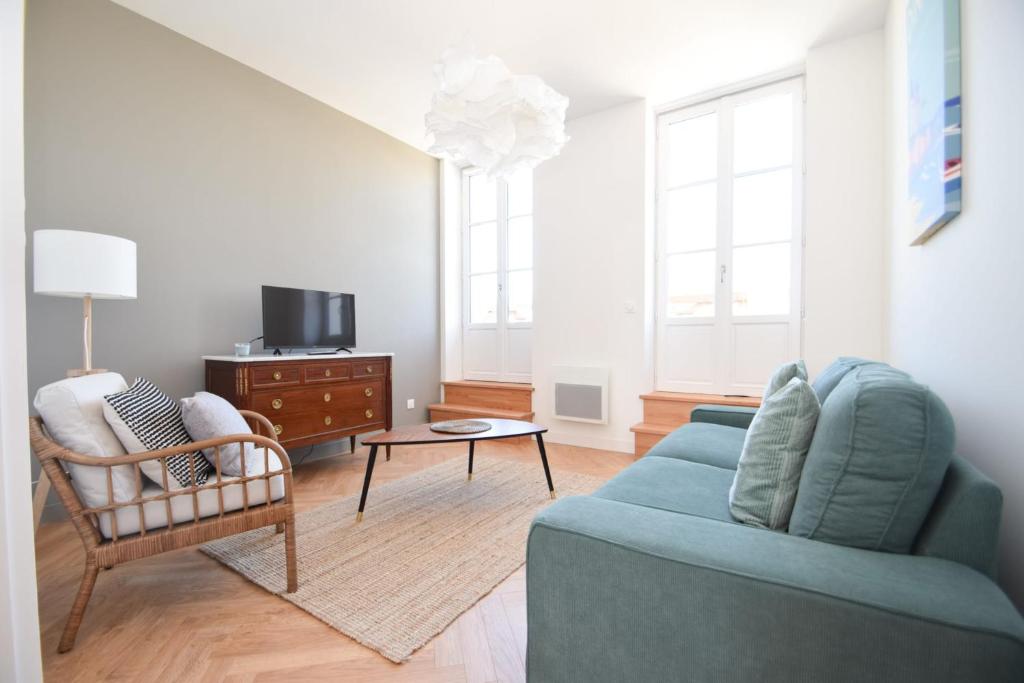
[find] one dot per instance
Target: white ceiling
(372, 59)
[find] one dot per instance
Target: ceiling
(372, 59)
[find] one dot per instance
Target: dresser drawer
(275, 375)
(374, 368)
(326, 420)
(359, 394)
(328, 372)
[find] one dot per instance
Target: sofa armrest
(623, 592)
(727, 416)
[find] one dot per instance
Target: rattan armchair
(105, 553)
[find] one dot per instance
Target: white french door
(497, 282)
(729, 240)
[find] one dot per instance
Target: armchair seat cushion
(704, 443)
(155, 511)
(673, 485)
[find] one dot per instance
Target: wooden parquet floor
(182, 616)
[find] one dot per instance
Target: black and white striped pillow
(146, 419)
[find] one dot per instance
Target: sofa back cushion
(829, 378)
(876, 462)
(72, 410)
(963, 525)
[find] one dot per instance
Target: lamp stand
(86, 342)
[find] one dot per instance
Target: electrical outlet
(410, 404)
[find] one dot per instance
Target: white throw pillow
(146, 419)
(208, 416)
(73, 412)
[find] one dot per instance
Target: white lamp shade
(76, 263)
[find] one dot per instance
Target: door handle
(721, 277)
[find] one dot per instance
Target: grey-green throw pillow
(768, 474)
(876, 462)
(782, 375)
(829, 378)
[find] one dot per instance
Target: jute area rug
(429, 547)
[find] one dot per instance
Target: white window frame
(725, 381)
(501, 325)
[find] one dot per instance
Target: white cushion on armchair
(72, 410)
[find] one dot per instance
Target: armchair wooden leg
(67, 640)
(289, 554)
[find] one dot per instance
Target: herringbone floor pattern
(183, 617)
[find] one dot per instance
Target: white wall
(844, 209)
(955, 319)
(592, 237)
(19, 621)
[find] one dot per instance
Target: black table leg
(470, 477)
(366, 481)
(387, 452)
(544, 459)
(352, 443)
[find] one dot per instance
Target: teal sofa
(651, 579)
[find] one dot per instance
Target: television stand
(330, 353)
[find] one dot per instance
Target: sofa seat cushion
(155, 512)
(707, 444)
(673, 485)
(876, 462)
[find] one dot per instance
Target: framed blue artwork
(933, 108)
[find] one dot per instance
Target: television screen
(306, 318)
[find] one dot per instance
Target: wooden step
(646, 435)
(673, 408)
(455, 411)
(665, 411)
(497, 395)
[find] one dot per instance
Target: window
(729, 240)
(498, 276)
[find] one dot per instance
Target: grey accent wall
(226, 179)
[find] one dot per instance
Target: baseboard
(600, 443)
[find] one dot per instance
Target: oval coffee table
(418, 435)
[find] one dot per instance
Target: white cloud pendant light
(485, 116)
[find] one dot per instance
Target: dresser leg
(470, 476)
(387, 452)
(352, 443)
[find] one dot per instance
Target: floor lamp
(85, 265)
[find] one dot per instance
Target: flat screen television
(308, 319)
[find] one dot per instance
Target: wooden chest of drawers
(309, 399)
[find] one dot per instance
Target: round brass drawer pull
(327, 420)
(278, 429)
(327, 397)
(277, 403)
(369, 369)
(327, 372)
(368, 391)
(277, 374)
(369, 414)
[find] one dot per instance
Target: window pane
(691, 216)
(520, 296)
(763, 131)
(520, 242)
(483, 199)
(762, 209)
(483, 299)
(760, 282)
(520, 193)
(483, 248)
(692, 150)
(691, 284)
